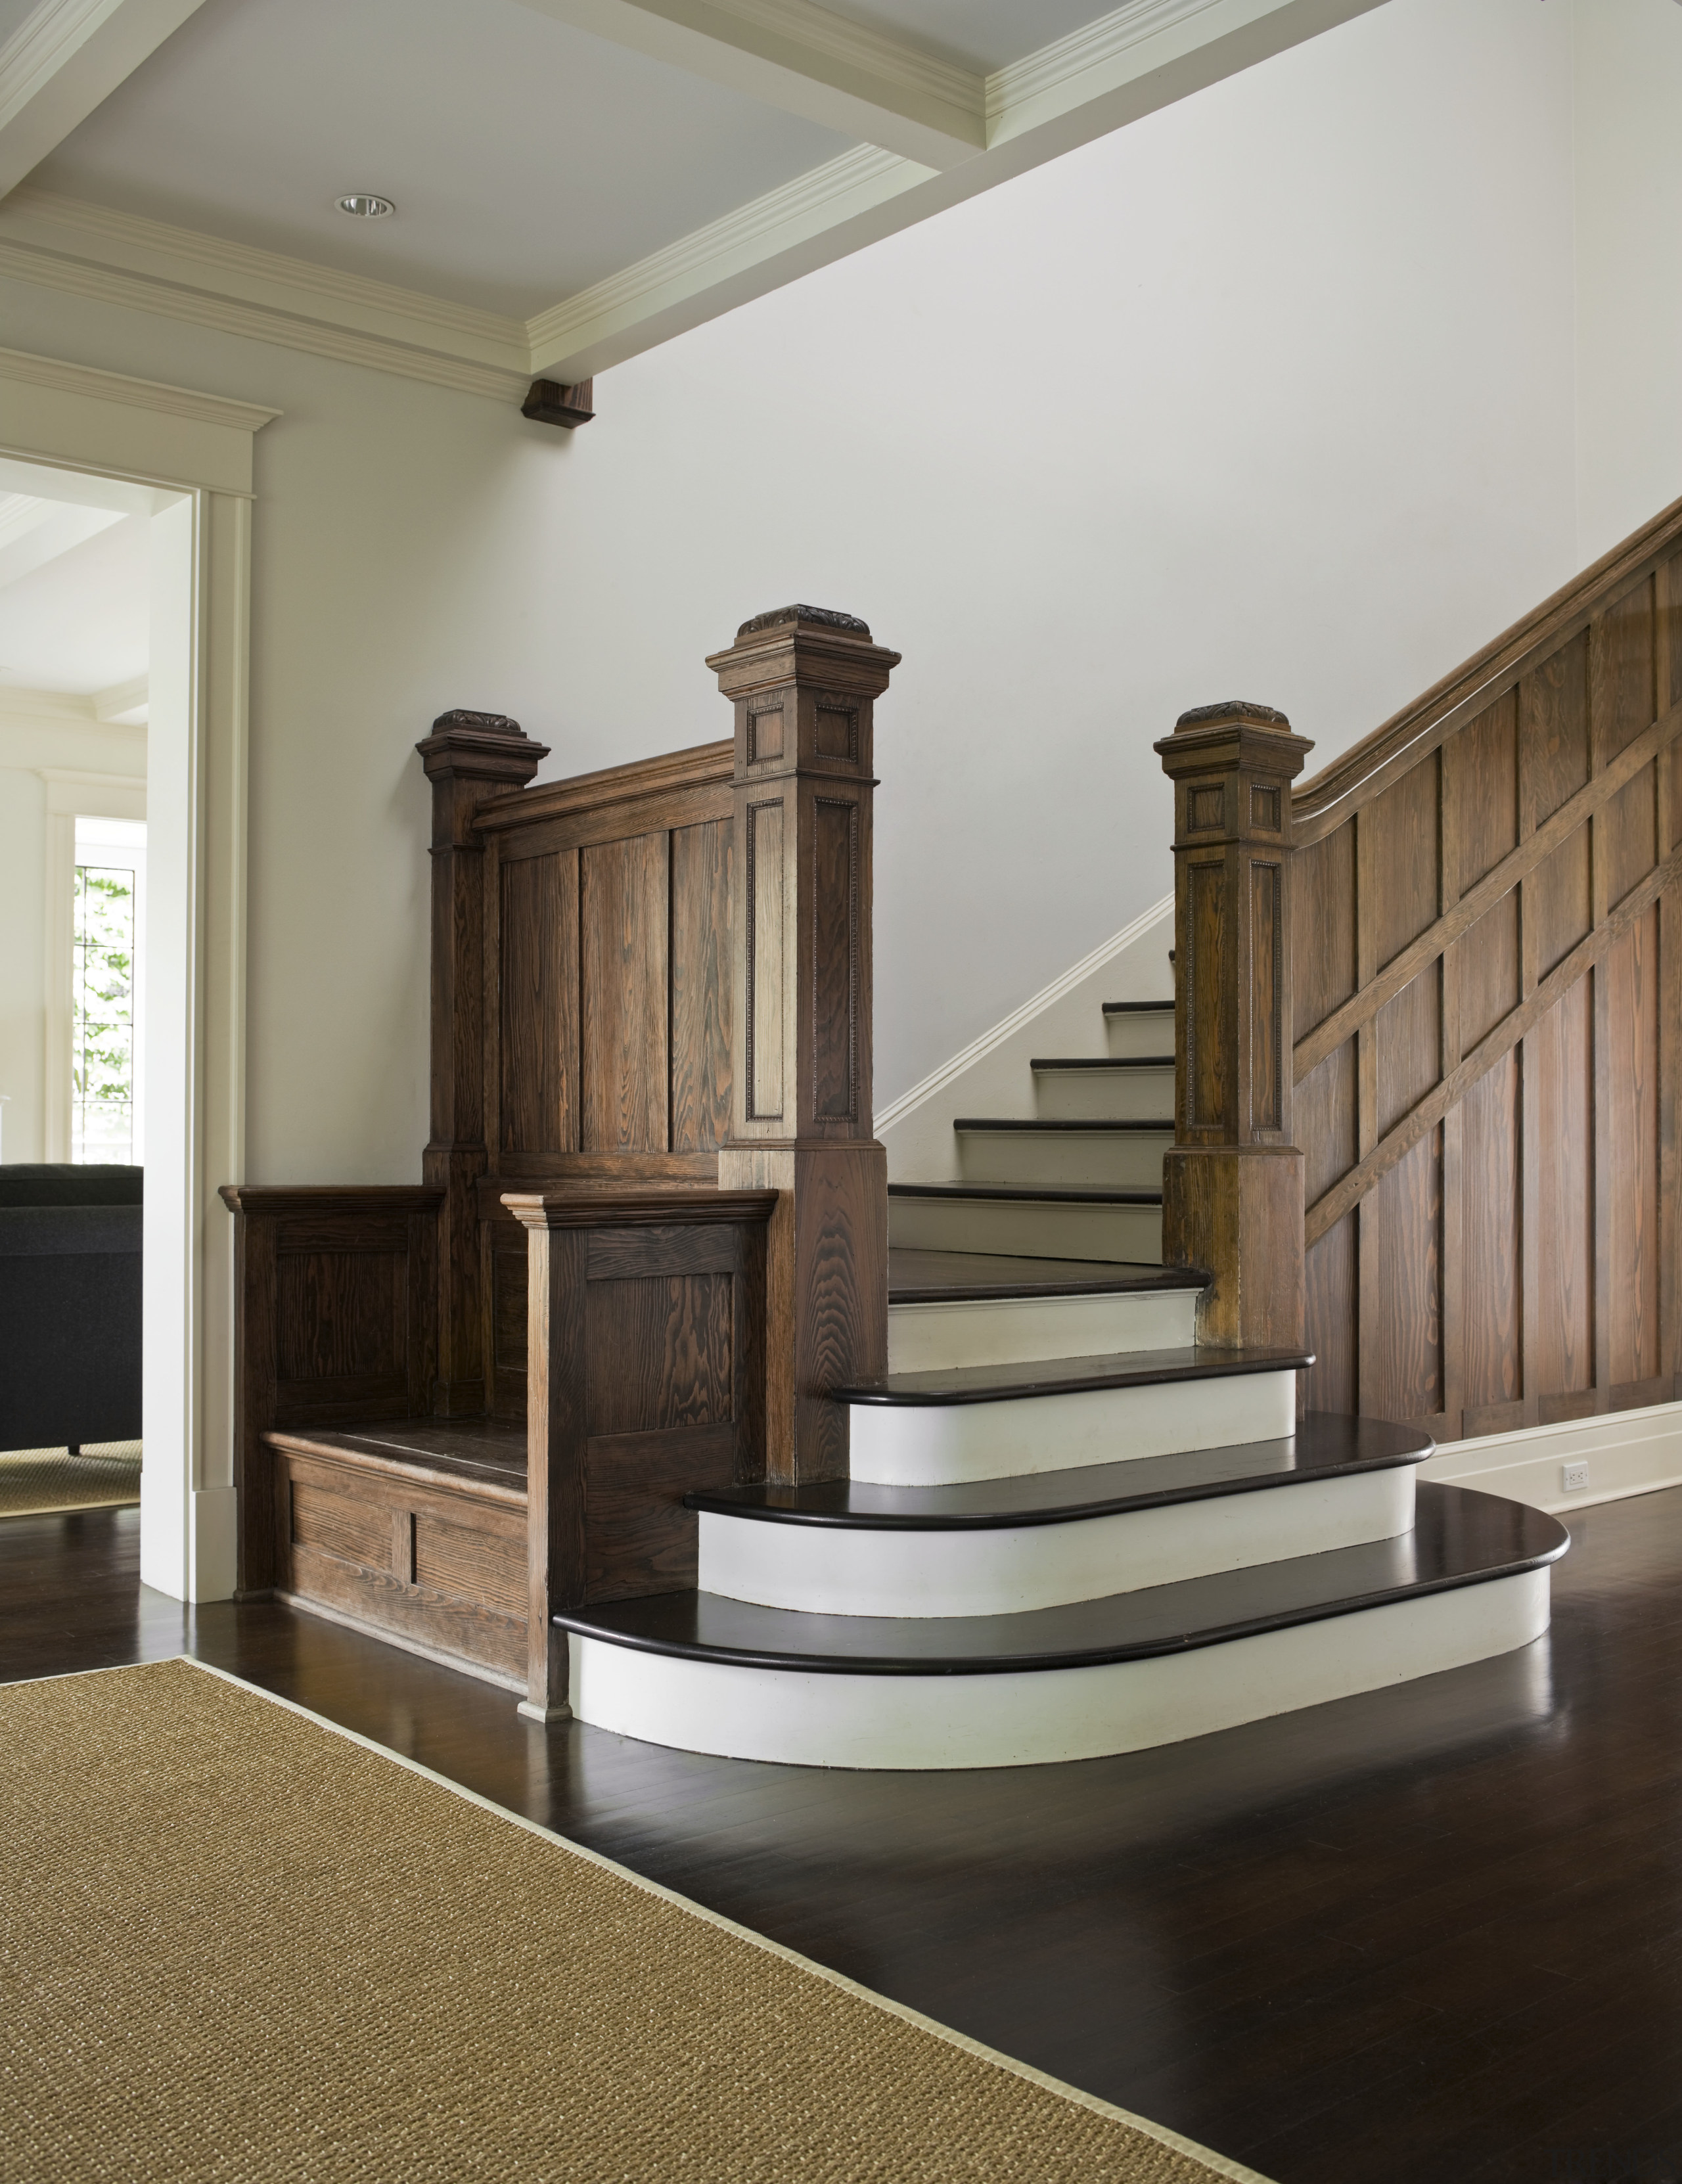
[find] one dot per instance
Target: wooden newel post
(1232, 1187)
(469, 757)
(804, 679)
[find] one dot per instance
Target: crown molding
(24, 705)
(590, 325)
(146, 264)
(28, 370)
(797, 56)
(63, 59)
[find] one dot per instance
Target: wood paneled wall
(1487, 982)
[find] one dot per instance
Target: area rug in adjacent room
(237, 1943)
(36, 1482)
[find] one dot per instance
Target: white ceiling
(575, 180)
(74, 596)
(526, 160)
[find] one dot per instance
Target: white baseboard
(991, 1076)
(1627, 1453)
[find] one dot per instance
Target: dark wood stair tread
(921, 1276)
(1164, 1128)
(1068, 1376)
(1044, 1192)
(1325, 1445)
(457, 1452)
(1103, 1061)
(1138, 1008)
(1459, 1538)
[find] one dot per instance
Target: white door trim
(194, 453)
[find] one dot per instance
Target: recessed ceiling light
(363, 204)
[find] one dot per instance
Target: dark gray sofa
(69, 1304)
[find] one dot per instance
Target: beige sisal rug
(34, 1482)
(239, 1944)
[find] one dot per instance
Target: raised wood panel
(1561, 1057)
(701, 880)
(835, 915)
(1491, 1213)
(767, 973)
(1323, 879)
(1515, 1079)
(1326, 1121)
(342, 1315)
(1401, 1359)
(471, 1563)
(1408, 1034)
(1624, 690)
(1209, 971)
(638, 1537)
(659, 1353)
(539, 1032)
(344, 1524)
(1630, 1087)
(1333, 1277)
(1487, 970)
(1404, 853)
(624, 924)
(507, 1292)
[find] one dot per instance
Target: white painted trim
(1626, 1452)
(26, 705)
(1036, 1717)
(722, 264)
(122, 704)
(940, 1080)
(193, 452)
(950, 1444)
(833, 1569)
(1232, 2171)
(62, 60)
(94, 795)
(24, 368)
(800, 57)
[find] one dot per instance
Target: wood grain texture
(624, 998)
(702, 862)
(539, 1013)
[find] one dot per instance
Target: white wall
(1270, 395)
(1628, 151)
(27, 745)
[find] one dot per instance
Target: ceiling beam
(62, 60)
(1144, 55)
(797, 56)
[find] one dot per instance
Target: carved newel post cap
(1237, 710)
(800, 643)
(488, 743)
(825, 617)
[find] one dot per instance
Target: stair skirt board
(1068, 1160)
(834, 1569)
(1029, 1227)
(1036, 1718)
(1119, 1095)
(950, 1444)
(929, 1338)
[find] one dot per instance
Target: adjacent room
(840, 1037)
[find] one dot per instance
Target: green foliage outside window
(101, 1006)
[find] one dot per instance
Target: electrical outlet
(1573, 1477)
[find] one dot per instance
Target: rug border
(1234, 2172)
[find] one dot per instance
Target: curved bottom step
(1155, 1667)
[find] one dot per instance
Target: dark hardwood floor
(1428, 1936)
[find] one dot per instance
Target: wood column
(1232, 1186)
(804, 679)
(470, 758)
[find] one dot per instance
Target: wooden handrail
(1324, 802)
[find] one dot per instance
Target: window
(107, 991)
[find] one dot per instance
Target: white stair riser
(1021, 1719)
(1074, 1160)
(1141, 1031)
(1119, 1095)
(951, 1444)
(934, 1338)
(1028, 1228)
(825, 1569)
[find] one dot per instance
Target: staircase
(1069, 1528)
